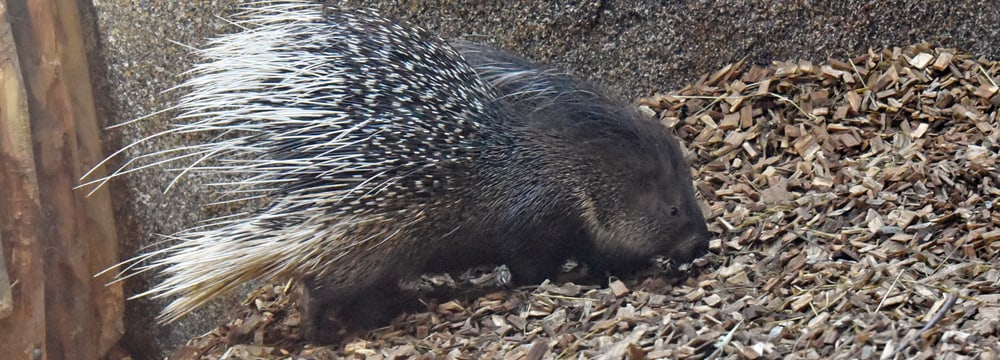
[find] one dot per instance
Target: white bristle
(317, 115)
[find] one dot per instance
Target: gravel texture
(634, 47)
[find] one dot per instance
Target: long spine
(315, 111)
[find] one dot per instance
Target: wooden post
(58, 237)
(6, 297)
(22, 332)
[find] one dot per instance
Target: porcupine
(385, 153)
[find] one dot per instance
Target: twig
(887, 292)
(721, 344)
(948, 303)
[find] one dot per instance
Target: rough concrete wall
(632, 46)
(637, 46)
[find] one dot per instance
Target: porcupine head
(627, 181)
(385, 153)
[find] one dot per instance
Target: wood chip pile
(853, 208)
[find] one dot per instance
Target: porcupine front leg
(533, 268)
(537, 250)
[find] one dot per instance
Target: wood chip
(943, 61)
(921, 60)
(618, 288)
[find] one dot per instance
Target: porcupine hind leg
(331, 314)
(358, 293)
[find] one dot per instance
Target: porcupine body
(384, 153)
